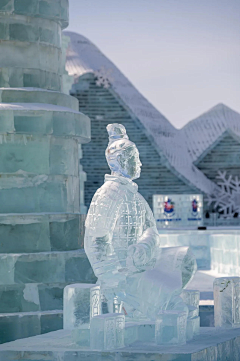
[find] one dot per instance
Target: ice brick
(26, 95)
(81, 303)
(191, 297)
(41, 233)
(22, 77)
(81, 336)
(144, 332)
(227, 302)
(170, 328)
(48, 267)
(107, 331)
(38, 154)
(193, 327)
(27, 324)
(54, 193)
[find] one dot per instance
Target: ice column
(227, 302)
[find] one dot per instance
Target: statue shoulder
(104, 208)
(109, 191)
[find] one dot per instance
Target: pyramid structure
(41, 132)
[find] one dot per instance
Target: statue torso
(130, 224)
(117, 218)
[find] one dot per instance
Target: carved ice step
(27, 324)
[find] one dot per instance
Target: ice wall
(41, 182)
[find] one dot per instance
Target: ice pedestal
(81, 303)
(227, 302)
(170, 328)
(107, 331)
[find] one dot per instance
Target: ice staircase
(41, 132)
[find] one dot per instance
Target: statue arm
(150, 236)
(145, 251)
(100, 224)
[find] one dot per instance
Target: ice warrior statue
(123, 244)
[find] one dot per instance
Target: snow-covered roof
(205, 130)
(84, 57)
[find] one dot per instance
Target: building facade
(174, 161)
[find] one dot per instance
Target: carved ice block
(107, 331)
(137, 331)
(81, 337)
(191, 298)
(81, 303)
(193, 327)
(170, 328)
(227, 302)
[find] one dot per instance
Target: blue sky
(182, 55)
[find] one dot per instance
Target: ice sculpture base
(217, 345)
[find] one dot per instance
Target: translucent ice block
(81, 303)
(29, 95)
(53, 10)
(45, 267)
(227, 302)
(193, 327)
(170, 328)
(44, 193)
(81, 336)
(136, 331)
(191, 298)
(107, 331)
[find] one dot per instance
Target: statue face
(130, 164)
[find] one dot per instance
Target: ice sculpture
(227, 197)
(123, 244)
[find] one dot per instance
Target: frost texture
(227, 197)
(104, 77)
(227, 302)
(123, 244)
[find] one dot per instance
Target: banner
(178, 210)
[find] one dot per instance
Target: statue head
(122, 155)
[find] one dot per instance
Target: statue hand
(140, 254)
